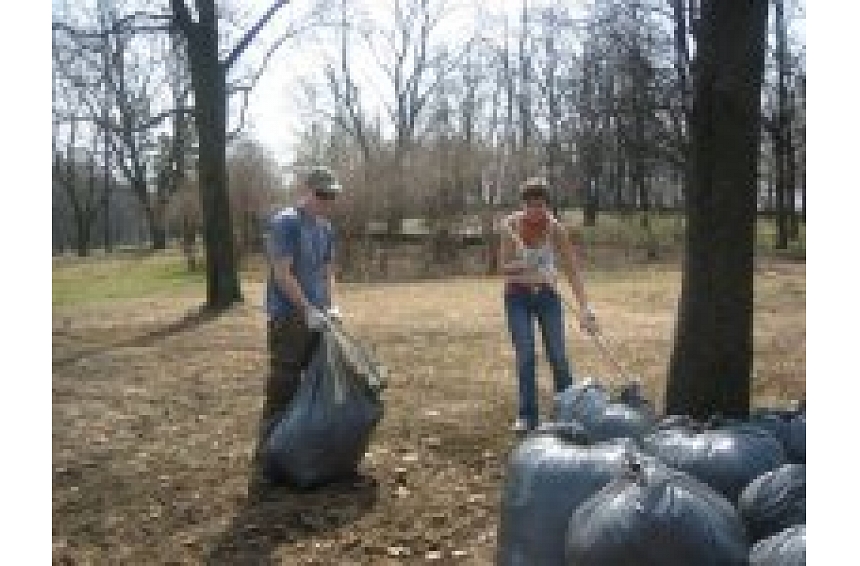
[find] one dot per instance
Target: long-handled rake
(601, 342)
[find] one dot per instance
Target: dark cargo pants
(291, 344)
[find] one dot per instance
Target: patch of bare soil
(155, 409)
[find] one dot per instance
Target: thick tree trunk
(210, 112)
(711, 361)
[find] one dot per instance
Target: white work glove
(588, 320)
(333, 314)
(314, 318)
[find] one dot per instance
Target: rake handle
(598, 338)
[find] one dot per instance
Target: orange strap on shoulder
(533, 232)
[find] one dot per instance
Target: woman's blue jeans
(522, 308)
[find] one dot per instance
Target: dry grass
(155, 409)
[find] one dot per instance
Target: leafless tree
(210, 66)
(256, 185)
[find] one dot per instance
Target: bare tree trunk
(791, 177)
(711, 361)
(106, 108)
(524, 98)
(590, 209)
(682, 55)
(208, 78)
(82, 205)
(780, 141)
(189, 239)
(640, 107)
(222, 281)
(158, 227)
(771, 187)
(591, 154)
(791, 174)
(639, 171)
(108, 189)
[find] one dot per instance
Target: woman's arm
(571, 263)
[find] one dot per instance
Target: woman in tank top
(534, 245)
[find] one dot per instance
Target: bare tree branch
(120, 26)
(252, 33)
(256, 76)
(231, 136)
(113, 127)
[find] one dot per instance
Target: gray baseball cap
(322, 180)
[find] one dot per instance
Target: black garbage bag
(325, 430)
(774, 501)
(788, 425)
(795, 444)
(604, 419)
(632, 395)
(669, 422)
(581, 402)
(726, 458)
(786, 548)
(569, 432)
(621, 421)
(546, 479)
(655, 516)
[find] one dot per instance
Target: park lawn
(155, 410)
(122, 276)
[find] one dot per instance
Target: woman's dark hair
(534, 187)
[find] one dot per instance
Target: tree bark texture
(208, 79)
(711, 361)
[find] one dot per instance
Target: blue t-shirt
(309, 243)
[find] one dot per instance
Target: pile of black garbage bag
(325, 431)
(608, 483)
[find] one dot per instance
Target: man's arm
(281, 246)
(287, 282)
(330, 280)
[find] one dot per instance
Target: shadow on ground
(285, 516)
(189, 321)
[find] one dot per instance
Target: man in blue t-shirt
(300, 249)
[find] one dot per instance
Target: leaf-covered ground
(155, 410)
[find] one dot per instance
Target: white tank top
(543, 256)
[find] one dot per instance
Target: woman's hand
(588, 320)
